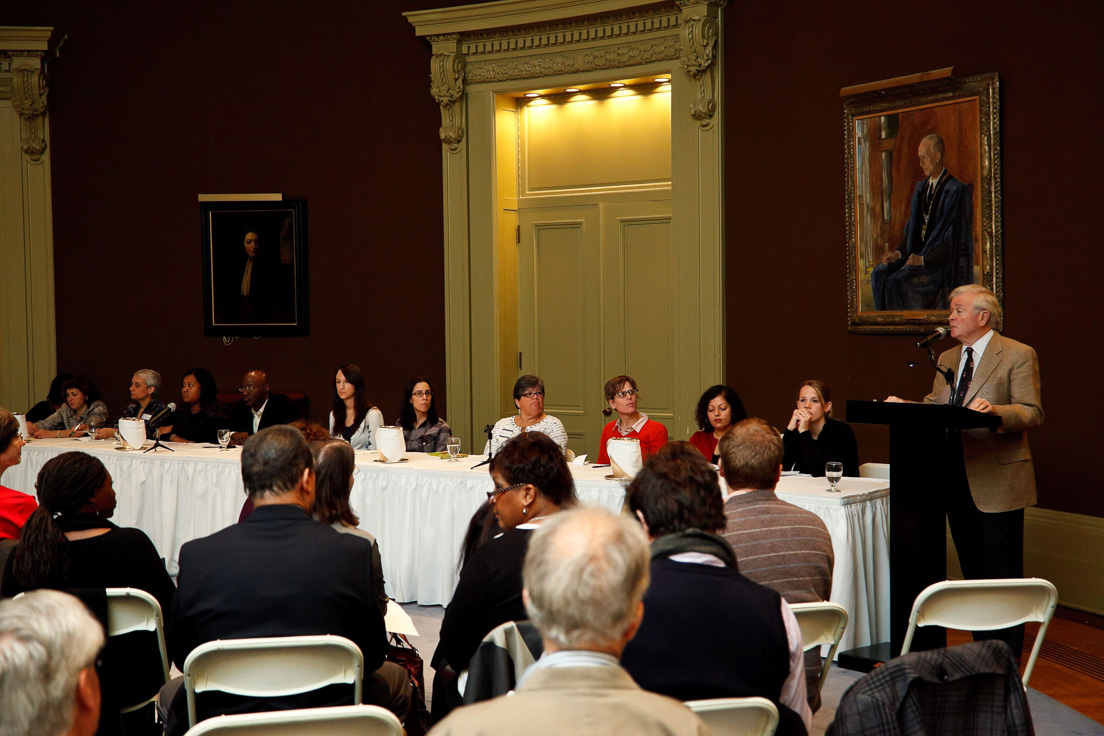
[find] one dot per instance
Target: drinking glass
(453, 447)
(833, 471)
(224, 438)
(90, 428)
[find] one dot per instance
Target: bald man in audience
(777, 544)
(259, 408)
(585, 574)
(48, 682)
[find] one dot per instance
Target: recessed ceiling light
(572, 89)
(662, 79)
(532, 94)
(617, 84)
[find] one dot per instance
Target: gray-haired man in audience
(48, 684)
(585, 575)
(777, 544)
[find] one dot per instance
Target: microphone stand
(156, 444)
(947, 373)
(487, 430)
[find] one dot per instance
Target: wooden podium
(918, 460)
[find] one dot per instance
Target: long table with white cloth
(419, 510)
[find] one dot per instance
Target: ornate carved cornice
(577, 30)
(569, 62)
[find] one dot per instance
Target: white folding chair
(874, 470)
(272, 667)
(821, 623)
(985, 605)
(131, 609)
(737, 716)
(344, 720)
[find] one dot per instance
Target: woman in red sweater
(621, 393)
(718, 409)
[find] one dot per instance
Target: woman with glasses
(353, 417)
(621, 393)
(531, 483)
(423, 429)
(529, 399)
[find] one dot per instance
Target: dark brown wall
(785, 63)
(329, 101)
(151, 104)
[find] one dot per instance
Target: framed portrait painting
(255, 268)
(923, 200)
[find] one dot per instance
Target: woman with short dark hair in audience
(353, 417)
(334, 469)
(423, 429)
(54, 400)
(531, 483)
(621, 394)
(200, 416)
(68, 541)
(718, 409)
(813, 438)
(529, 400)
(15, 506)
(82, 410)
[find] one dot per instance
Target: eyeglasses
(532, 395)
(249, 389)
(425, 394)
(626, 394)
(492, 495)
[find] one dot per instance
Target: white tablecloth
(419, 511)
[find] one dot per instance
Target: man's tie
(964, 380)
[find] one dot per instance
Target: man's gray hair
(151, 377)
(586, 570)
(936, 142)
(984, 301)
(46, 639)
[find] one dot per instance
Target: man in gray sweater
(777, 544)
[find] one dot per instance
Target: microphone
(164, 412)
(939, 334)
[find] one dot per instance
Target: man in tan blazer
(990, 475)
(585, 574)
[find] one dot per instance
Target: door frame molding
(482, 50)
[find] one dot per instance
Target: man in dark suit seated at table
(280, 573)
(258, 408)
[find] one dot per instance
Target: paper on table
(579, 460)
(398, 621)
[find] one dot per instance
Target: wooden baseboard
(1065, 549)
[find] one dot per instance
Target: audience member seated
(353, 417)
(423, 429)
(49, 644)
(529, 400)
(754, 642)
(82, 410)
(144, 387)
(779, 545)
(53, 401)
(585, 575)
(281, 573)
(312, 432)
(482, 528)
(621, 393)
(334, 467)
(68, 541)
(200, 416)
(532, 482)
(813, 438)
(15, 506)
(718, 409)
(258, 408)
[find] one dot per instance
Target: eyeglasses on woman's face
(626, 393)
(538, 394)
(498, 491)
(427, 394)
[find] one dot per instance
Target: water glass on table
(833, 471)
(453, 447)
(224, 439)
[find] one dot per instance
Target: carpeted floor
(1051, 718)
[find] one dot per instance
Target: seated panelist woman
(813, 437)
(353, 418)
(423, 430)
(718, 409)
(621, 393)
(200, 416)
(529, 400)
(81, 411)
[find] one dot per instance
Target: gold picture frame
(912, 233)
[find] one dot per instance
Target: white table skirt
(419, 511)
